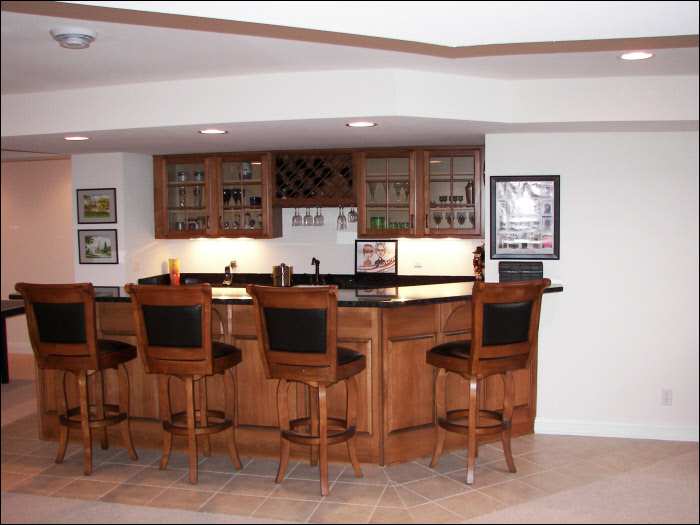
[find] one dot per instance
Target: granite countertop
(374, 291)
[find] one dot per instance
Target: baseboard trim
(573, 427)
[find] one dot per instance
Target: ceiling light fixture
(73, 37)
(212, 131)
(636, 55)
(76, 137)
(361, 124)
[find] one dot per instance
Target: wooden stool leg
(473, 422)
(229, 402)
(441, 413)
(203, 420)
(165, 415)
(62, 411)
(124, 408)
(100, 406)
(283, 416)
(85, 422)
(323, 436)
(191, 423)
(351, 418)
(508, 401)
(313, 430)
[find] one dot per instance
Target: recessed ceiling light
(76, 137)
(212, 131)
(636, 55)
(361, 124)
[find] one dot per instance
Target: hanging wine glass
(461, 219)
(471, 217)
(372, 187)
(437, 217)
(386, 195)
(227, 196)
(397, 188)
(342, 222)
(308, 218)
(296, 218)
(319, 219)
(448, 219)
(406, 189)
(352, 215)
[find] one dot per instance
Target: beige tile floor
(407, 493)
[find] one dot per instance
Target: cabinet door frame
(364, 230)
(472, 233)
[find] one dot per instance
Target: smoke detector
(73, 37)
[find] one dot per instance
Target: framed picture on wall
(525, 217)
(97, 206)
(380, 256)
(98, 247)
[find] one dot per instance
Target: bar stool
(297, 337)
(62, 328)
(173, 329)
(505, 326)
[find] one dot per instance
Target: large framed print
(525, 217)
(379, 256)
(98, 247)
(97, 206)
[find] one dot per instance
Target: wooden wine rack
(314, 178)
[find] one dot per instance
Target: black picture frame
(368, 258)
(97, 206)
(525, 217)
(98, 247)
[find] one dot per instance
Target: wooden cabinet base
(396, 420)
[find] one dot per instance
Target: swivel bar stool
(505, 326)
(174, 333)
(62, 328)
(297, 337)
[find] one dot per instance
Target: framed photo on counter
(380, 256)
(97, 206)
(98, 247)
(525, 217)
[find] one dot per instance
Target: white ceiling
(456, 38)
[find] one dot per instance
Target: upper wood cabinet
(452, 187)
(214, 196)
(421, 192)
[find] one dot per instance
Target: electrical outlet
(234, 264)
(666, 396)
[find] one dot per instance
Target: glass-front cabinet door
(182, 188)
(387, 197)
(243, 197)
(452, 193)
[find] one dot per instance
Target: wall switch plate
(137, 265)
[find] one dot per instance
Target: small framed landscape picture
(98, 247)
(380, 256)
(97, 206)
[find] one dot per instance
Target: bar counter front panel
(393, 327)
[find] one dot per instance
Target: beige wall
(37, 216)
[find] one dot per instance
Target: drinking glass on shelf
(352, 215)
(342, 223)
(460, 198)
(319, 219)
(443, 199)
(372, 187)
(461, 219)
(296, 218)
(308, 218)
(437, 217)
(227, 196)
(183, 196)
(197, 196)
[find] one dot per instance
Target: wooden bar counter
(393, 327)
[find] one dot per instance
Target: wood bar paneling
(396, 419)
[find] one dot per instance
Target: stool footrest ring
(303, 439)
(107, 421)
(449, 424)
(213, 428)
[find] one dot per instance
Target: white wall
(626, 325)
(37, 239)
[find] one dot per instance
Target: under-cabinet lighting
(361, 124)
(212, 131)
(636, 55)
(76, 137)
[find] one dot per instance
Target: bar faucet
(317, 263)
